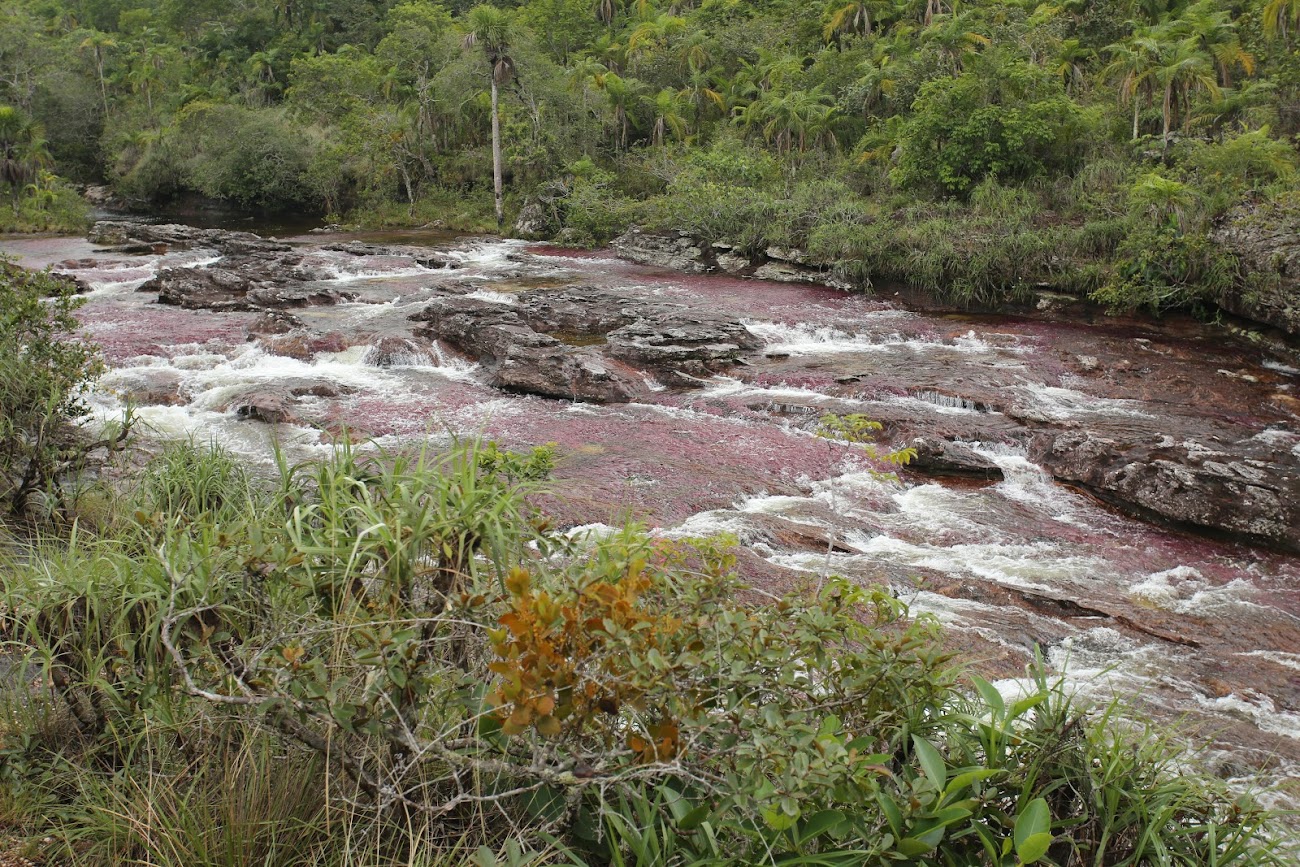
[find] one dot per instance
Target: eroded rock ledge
(1251, 492)
(679, 251)
(586, 343)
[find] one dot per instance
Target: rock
(274, 322)
(787, 254)
(201, 288)
(281, 297)
(733, 263)
(422, 256)
(396, 352)
(1185, 483)
(941, 457)
(259, 281)
(694, 346)
(782, 273)
(151, 387)
(1266, 238)
(267, 407)
(128, 235)
(536, 222)
(519, 344)
(677, 251)
(519, 358)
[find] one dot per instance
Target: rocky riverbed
(1123, 495)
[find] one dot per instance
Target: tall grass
(385, 659)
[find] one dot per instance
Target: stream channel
(717, 433)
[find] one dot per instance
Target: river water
(1190, 628)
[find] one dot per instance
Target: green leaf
(931, 762)
(820, 823)
(778, 820)
(991, 696)
(913, 848)
(1033, 848)
(963, 780)
(1027, 703)
(892, 814)
(694, 819)
(1033, 820)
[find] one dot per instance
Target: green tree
(99, 44)
(1279, 16)
(44, 372)
(488, 29)
(1132, 66)
(23, 152)
(1181, 70)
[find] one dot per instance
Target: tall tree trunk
(1135, 116)
(496, 158)
(1169, 109)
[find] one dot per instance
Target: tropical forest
(650, 433)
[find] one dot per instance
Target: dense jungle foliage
(969, 148)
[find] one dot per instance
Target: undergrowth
(391, 659)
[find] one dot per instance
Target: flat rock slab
(592, 345)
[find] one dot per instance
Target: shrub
(403, 631)
(44, 373)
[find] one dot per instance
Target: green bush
(400, 641)
(1011, 122)
(44, 373)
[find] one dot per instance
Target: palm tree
(1278, 15)
(98, 44)
(1183, 68)
(700, 91)
(652, 35)
(622, 95)
(1132, 63)
(23, 151)
(1071, 62)
(667, 108)
(488, 28)
(854, 17)
(952, 36)
(1217, 33)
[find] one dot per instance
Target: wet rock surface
(528, 345)
(130, 236)
(1253, 492)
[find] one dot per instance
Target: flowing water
(1190, 628)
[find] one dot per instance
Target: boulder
(201, 288)
(940, 457)
(692, 345)
(267, 407)
(535, 222)
(616, 341)
(129, 235)
(1244, 494)
(396, 352)
(518, 358)
(1266, 238)
(676, 250)
(259, 281)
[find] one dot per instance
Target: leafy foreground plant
(389, 659)
(44, 373)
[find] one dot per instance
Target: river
(1187, 626)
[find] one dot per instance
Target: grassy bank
(387, 659)
(58, 209)
(1126, 234)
